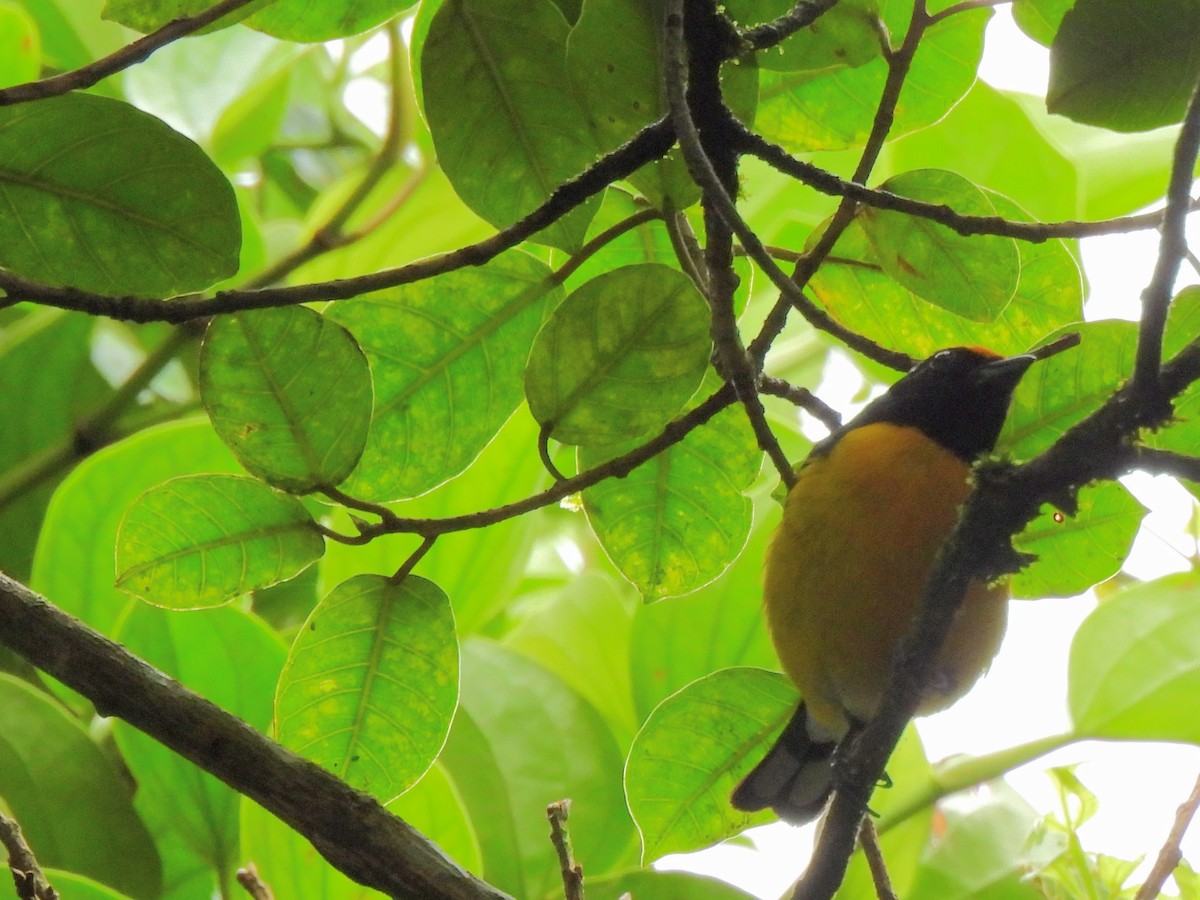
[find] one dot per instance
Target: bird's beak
(1005, 372)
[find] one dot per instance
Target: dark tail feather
(794, 779)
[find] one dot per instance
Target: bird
(845, 572)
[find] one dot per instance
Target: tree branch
(1034, 232)
(899, 63)
(1170, 854)
(683, 53)
(129, 55)
(803, 14)
(650, 143)
(350, 829)
(30, 882)
(1156, 298)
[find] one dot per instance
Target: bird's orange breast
(848, 566)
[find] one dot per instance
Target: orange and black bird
(846, 571)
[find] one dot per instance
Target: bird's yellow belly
(848, 567)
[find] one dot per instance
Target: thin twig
(855, 189)
(1171, 853)
(560, 837)
(803, 14)
(618, 467)
(965, 6)
(803, 398)
(721, 218)
(30, 882)
(1156, 298)
(411, 563)
(649, 144)
(899, 64)
(868, 839)
(249, 879)
(129, 55)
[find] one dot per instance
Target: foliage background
(569, 626)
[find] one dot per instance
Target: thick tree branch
(649, 144)
(349, 828)
(129, 55)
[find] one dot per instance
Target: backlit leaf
(506, 125)
(447, 356)
(1135, 663)
(1128, 65)
(290, 392)
(371, 683)
(129, 206)
(48, 763)
(674, 523)
(202, 540)
(974, 277)
(1076, 552)
(619, 357)
(694, 749)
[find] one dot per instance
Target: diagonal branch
(129, 55)
(349, 828)
(650, 143)
(803, 14)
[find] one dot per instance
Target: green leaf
(694, 749)
(501, 550)
(1128, 65)
(128, 206)
(1063, 390)
(846, 35)
(994, 140)
(619, 357)
(1077, 552)
(48, 764)
(47, 354)
(1135, 663)
(534, 741)
(150, 15)
(981, 853)
(447, 374)
(718, 626)
(1183, 326)
(78, 887)
(675, 523)
(580, 631)
(233, 660)
(619, 84)
(505, 122)
(807, 111)
(371, 683)
(202, 540)
(74, 560)
(302, 20)
(974, 277)
(858, 294)
(1040, 19)
(290, 392)
(20, 45)
(646, 884)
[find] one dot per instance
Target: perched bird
(846, 571)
